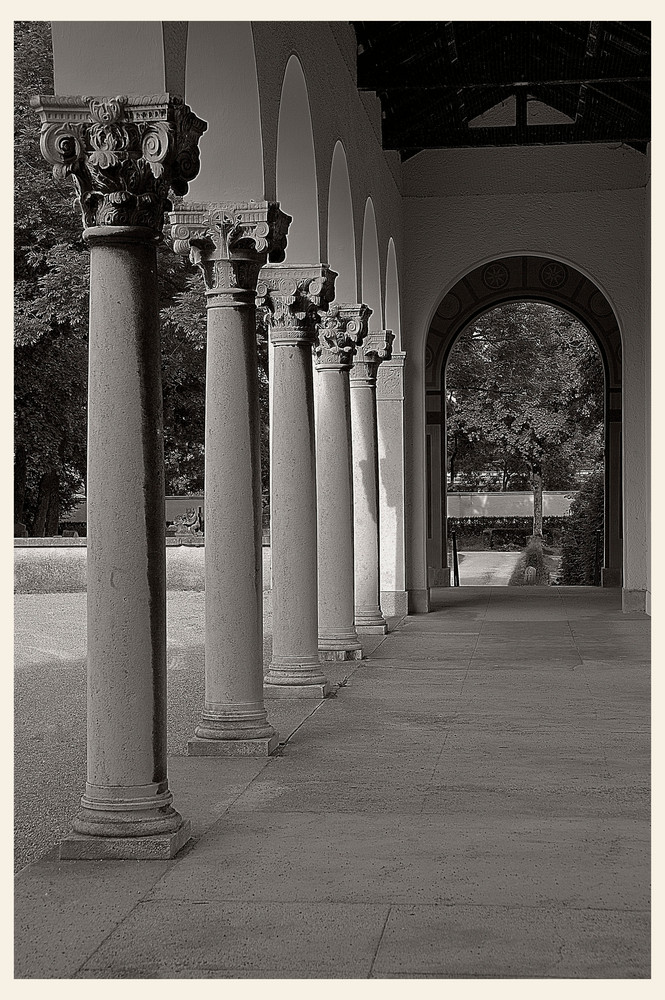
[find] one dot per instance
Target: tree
(51, 327)
(524, 396)
(50, 264)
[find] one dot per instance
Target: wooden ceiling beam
(507, 135)
(573, 81)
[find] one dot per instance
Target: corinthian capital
(376, 348)
(293, 298)
(340, 332)
(124, 154)
(230, 243)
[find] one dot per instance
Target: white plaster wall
(587, 206)
(107, 58)
(338, 112)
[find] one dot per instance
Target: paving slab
(64, 910)
(473, 802)
(518, 942)
(160, 938)
(355, 858)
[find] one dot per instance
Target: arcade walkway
(474, 802)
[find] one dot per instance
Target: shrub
(502, 533)
(532, 556)
(578, 550)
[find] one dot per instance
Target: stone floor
(473, 802)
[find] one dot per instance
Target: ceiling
(448, 84)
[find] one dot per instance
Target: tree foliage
(524, 393)
(51, 270)
(50, 274)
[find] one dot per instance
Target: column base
(226, 730)
(261, 747)
(311, 691)
(394, 603)
(342, 654)
(159, 847)
(372, 629)
(633, 600)
(370, 619)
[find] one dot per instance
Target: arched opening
(371, 271)
(500, 281)
(392, 308)
(522, 457)
(296, 167)
(222, 85)
(341, 232)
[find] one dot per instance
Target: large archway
(499, 281)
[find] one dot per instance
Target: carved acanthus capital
(230, 243)
(341, 331)
(294, 298)
(376, 348)
(124, 154)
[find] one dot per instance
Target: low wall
(516, 503)
(59, 565)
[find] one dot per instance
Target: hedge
(579, 566)
(502, 532)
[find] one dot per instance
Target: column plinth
(376, 348)
(124, 154)
(294, 297)
(341, 332)
(230, 244)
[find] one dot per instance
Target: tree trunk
(47, 484)
(20, 475)
(537, 500)
(53, 513)
(452, 462)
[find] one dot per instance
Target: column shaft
(368, 614)
(295, 659)
(338, 638)
(127, 791)
(234, 708)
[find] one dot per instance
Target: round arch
(221, 61)
(341, 230)
(371, 270)
(504, 280)
(392, 305)
(297, 190)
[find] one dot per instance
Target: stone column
(294, 297)
(230, 243)
(340, 333)
(376, 348)
(123, 155)
(390, 420)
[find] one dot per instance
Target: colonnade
(125, 156)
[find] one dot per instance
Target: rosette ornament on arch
(340, 333)
(124, 154)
